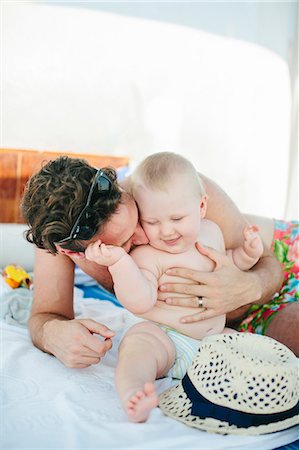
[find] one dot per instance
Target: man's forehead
(121, 227)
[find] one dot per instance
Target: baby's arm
(135, 291)
(249, 253)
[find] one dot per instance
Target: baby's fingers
(255, 242)
(105, 250)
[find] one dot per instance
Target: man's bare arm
(53, 293)
(265, 266)
(232, 223)
(52, 325)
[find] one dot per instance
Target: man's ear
(203, 206)
(67, 252)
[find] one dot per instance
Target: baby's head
(160, 170)
(171, 200)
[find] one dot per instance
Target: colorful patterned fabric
(286, 249)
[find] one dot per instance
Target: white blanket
(49, 406)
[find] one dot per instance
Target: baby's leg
(227, 330)
(145, 353)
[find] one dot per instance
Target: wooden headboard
(16, 167)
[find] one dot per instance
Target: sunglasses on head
(86, 224)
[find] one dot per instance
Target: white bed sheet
(48, 406)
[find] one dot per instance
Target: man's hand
(223, 290)
(74, 342)
(104, 255)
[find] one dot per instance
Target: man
(68, 205)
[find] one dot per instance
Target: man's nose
(139, 237)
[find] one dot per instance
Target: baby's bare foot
(140, 405)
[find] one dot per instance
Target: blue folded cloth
(98, 292)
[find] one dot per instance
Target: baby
(172, 204)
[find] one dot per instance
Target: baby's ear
(203, 206)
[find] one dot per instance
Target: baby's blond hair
(159, 169)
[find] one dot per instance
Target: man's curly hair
(55, 196)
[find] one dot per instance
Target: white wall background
(82, 79)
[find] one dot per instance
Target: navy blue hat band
(203, 408)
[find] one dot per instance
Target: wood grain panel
(17, 166)
(8, 185)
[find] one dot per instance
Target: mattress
(46, 405)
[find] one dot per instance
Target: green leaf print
(288, 265)
(281, 250)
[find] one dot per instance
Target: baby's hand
(253, 244)
(104, 255)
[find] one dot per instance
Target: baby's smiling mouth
(171, 242)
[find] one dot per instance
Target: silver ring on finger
(200, 302)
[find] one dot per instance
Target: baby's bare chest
(191, 259)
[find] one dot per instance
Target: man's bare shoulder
(210, 225)
(126, 183)
(222, 210)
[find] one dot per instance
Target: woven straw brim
(245, 372)
(175, 404)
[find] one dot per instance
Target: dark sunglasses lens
(86, 225)
(86, 232)
(104, 184)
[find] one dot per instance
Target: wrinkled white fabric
(49, 406)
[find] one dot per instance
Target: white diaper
(186, 349)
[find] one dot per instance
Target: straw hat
(238, 383)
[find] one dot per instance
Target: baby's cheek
(148, 231)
